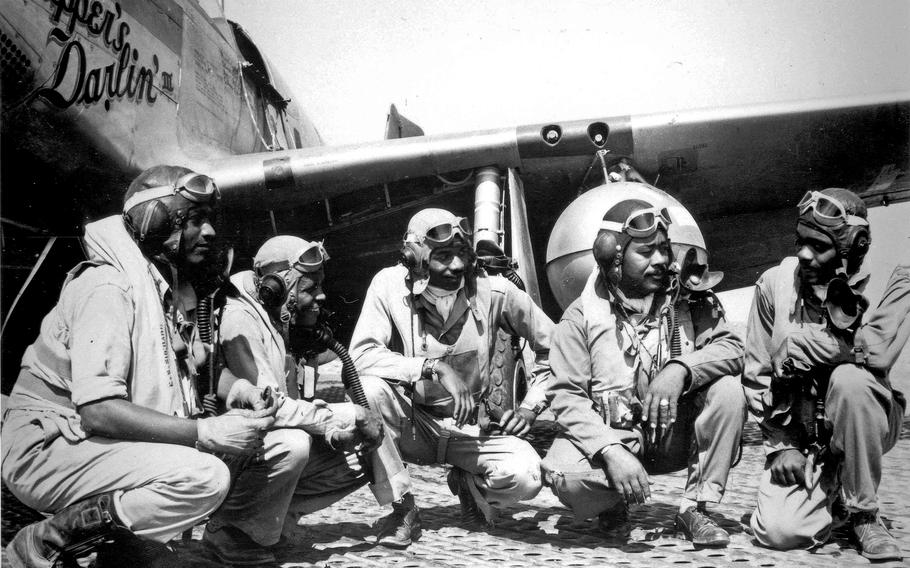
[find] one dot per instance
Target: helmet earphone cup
(608, 252)
(856, 245)
(272, 290)
(149, 220)
(415, 257)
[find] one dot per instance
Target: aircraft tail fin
(398, 126)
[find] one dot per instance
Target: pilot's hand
(788, 468)
(367, 432)
(461, 394)
(660, 404)
(626, 474)
(250, 398)
(518, 423)
(239, 432)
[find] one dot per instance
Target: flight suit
(109, 337)
(298, 468)
(863, 411)
(396, 333)
(598, 355)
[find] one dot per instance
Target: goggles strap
(612, 226)
(147, 195)
(273, 267)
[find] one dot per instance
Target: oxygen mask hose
(675, 340)
(351, 381)
(204, 323)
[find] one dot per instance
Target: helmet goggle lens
(641, 223)
(827, 211)
(197, 188)
(311, 258)
(444, 233)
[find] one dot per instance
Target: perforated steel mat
(541, 532)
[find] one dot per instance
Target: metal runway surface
(541, 532)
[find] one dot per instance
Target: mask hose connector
(351, 381)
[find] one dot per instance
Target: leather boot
(234, 547)
(874, 539)
(74, 531)
(471, 514)
(697, 526)
(400, 528)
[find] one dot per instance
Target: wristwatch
(537, 408)
(429, 370)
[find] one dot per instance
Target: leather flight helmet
(157, 205)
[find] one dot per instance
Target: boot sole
(883, 556)
(709, 543)
(400, 544)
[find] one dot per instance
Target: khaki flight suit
(298, 468)
(863, 412)
(597, 354)
(396, 333)
(108, 337)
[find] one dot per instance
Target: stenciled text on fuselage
(123, 78)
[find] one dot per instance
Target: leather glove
(244, 394)
(239, 432)
(367, 432)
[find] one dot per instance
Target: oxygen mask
(845, 305)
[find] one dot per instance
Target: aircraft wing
(738, 170)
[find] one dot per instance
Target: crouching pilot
(303, 466)
(825, 471)
(427, 331)
(643, 382)
(103, 430)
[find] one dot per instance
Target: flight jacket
(383, 343)
(592, 355)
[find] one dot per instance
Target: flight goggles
(827, 211)
(308, 259)
(311, 258)
(444, 233)
(194, 187)
(641, 223)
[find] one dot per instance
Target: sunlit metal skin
(569, 257)
(361, 165)
(488, 206)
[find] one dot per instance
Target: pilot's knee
(291, 448)
(519, 476)
(781, 532)
(848, 381)
(208, 481)
(728, 397)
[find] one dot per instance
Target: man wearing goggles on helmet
(302, 454)
(643, 382)
(103, 429)
(427, 331)
(804, 357)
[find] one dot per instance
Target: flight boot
(402, 526)
(72, 532)
(614, 522)
(232, 546)
(875, 540)
(697, 526)
(471, 512)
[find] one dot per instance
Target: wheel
(508, 376)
